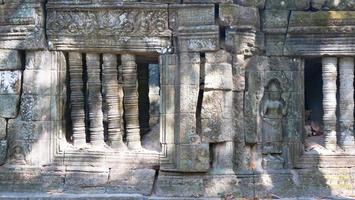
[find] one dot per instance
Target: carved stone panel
(114, 27)
(22, 25)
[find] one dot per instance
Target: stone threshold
(326, 160)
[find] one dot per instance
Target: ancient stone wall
(159, 99)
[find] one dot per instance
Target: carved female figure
(273, 109)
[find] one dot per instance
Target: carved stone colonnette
(92, 94)
(346, 101)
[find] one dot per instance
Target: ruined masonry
(176, 99)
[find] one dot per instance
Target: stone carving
(273, 110)
(17, 155)
(329, 75)
(95, 99)
(130, 100)
(77, 111)
(120, 22)
(112, 100)
(346, 104)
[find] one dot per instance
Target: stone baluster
(346, 104)
(112, 99)
(95, 99)
(77, 104)
(329, 74)
(130, 100)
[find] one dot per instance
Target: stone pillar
(346, 104)
(77, 98)
(95, 100)
(154, 94)
(130, 100)
(329, 74)
(112, 99)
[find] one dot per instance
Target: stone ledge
(335, 160)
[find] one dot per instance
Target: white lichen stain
(8, 80)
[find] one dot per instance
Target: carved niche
(273, 110)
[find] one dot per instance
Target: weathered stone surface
(193, 158)
(35, 108)
(208, 1)
(320, 33)
(10, 60)
(3, 151)
(136, 181)
(28, 130)
(287, 5)
(9, 105)
(2, 128)
(218, 71)
(195, 26)
(252, 3)
(187, 129)
(10, 82)
(201, 187)
(238, 71)
(37, 82)
(26, 19)
(243, 18)
(216, 116)
(275, 21)
(145, 28)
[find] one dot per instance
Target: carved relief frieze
(136, 27)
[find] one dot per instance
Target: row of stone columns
(108, 89)
(346, 102)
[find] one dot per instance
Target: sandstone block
(245, 18)
(10, 60)
(188, 98)
(217, 116)
(2, 128)
(275, 21)
(9, 105)
(28, 130)
(37, 82)
(35, 108)
(10, 82)
(252, 3)
(3, 151)
(26, 21)
(218, 76)
(208, 1)
(189, 68)
(218, 71)
(193, 158)
(187, 124)
(134, 181)
(287, 5)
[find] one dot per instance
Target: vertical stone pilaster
(130, 100)
(346, 104)
(77, 111)
(154, 94)
(329, 74)
(112, 99)
(95, 99)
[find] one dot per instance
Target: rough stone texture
(213, 90)
(2, 128)
(3, 149)
(10, 60)
(193, 158)
(218, 71)
(26, 19)
(9, 106)
(216, 116)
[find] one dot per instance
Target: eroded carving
(273, 110)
